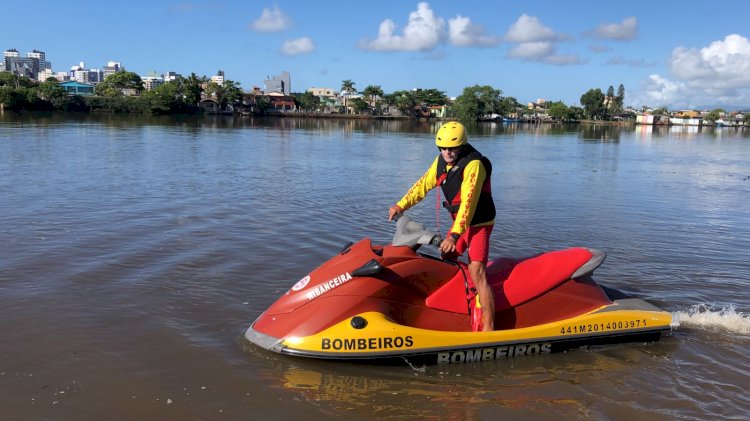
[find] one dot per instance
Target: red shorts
(477, 240)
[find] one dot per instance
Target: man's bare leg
(486, 297)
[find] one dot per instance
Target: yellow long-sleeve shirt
(473, 178)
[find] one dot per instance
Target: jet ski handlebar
(413, 234)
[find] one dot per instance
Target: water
(135, 251)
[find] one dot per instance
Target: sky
(678, 55)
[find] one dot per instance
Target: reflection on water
(526, 388)
(588, 131)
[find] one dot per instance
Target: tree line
(182, 95)
(476, 103)
(121, 92)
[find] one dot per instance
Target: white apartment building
(171, 76)
(81, 74)
(152, 81)
(43, 75)
(111, 68)
(218, 78)
(11, 52)
(41, 56)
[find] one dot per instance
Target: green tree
(620, 98)
(114, 84)
(359, 105)
(215, 91)
(15, 81)
(558, 111)
(8, 79)
(404, 101)
(576, 113)
(427, 97)
(193, 89)
(9, 97)
(477, 101)
(509, 105)
(228, 93)
(714, 115)
(119, 104)
(611, 102)
(307, 101)
(166, 98)
(593, 104)
(262, 104)
(232, 92)
(661, 111)
(347, 88)
(50, 89)
(372, 93)
(69, 103)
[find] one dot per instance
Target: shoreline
(360, 117)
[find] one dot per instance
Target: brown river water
(134, 253)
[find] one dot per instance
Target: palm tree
(372, 92)
(347, 86)
(194, 88)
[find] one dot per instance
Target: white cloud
(723, 64)
(536, 42)
(563, 59)
(423, 32)
(598, 48)
(718, 74)
(635, 62)
(532, 50)
(462, 32)
(271, 20)
(659, 91)
(623, 31)
(529, 29)
(298, 46)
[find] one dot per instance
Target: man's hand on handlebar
(448, 245)
(393, 211)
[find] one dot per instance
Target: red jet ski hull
(393, 303)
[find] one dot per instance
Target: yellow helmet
(451, 135)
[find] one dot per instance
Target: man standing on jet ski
(464, 177)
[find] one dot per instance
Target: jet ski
(404, 302)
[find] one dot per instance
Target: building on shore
(31, 66)
(73, 87)
(152, 81)
(652, 120)
(218, 78)
(281, 84)
(81, 74)
(111, 68)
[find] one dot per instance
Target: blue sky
(678, 55)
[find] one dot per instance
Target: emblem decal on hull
(301, 283)
(486, 354)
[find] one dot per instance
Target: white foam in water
(703, 315)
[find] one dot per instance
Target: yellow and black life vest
(450, 183)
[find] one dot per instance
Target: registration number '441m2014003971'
(602, 327)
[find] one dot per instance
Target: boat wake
(712, 317)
